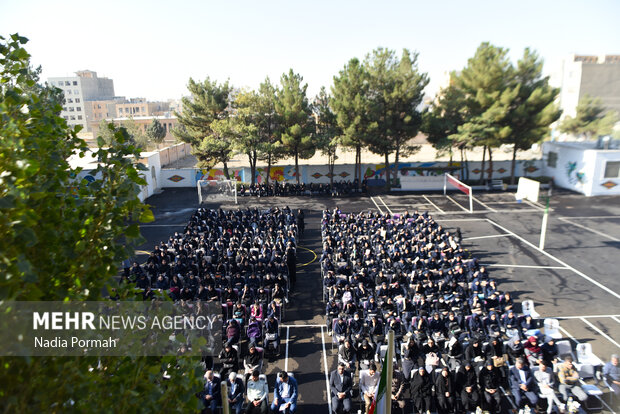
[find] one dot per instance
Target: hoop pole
(445, 183)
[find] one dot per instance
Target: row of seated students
(408, 274)
(224, 255)
(468, 388)
(338, 189)
(252, 390)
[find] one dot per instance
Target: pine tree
(202, 111)
(296, 119)
(327, 131)
(533, 109)
(155, 132)
(485, 84)
(351, 107)
(591, 119)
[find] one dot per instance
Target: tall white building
(78, 90)
(597, 76)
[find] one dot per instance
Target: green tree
(442, 119)
(533, 110)
(247, 140)
(268, 123)
(156, 132)
(61, 239)
(295, 115)
(591, 119)
(485, 84)
(352, 107)
(327, 131)
(208, 103)
(396, 90)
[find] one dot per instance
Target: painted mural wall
(320, 173)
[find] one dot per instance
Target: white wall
(598, 174)
(581, 169)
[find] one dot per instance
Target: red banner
(458, 184)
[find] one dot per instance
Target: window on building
(71, 109)
(75, 91)
(75, 83)
(66, 118)
(72, 117)
(143, 110)
(68, 91)
(67, 83)
(77, 100)
(78, 108)
(552, 159)
(612, 169)
(79, 117)
(69, 100)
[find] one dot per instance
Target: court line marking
(311, 261)
(536, 206)
(433, 204)
(464, 219)
(591, 217)
(514, 210)
(615, 318)
(487, 237)
(386, 206)
(583, 275)
(484, 205)
(586, 316)
(603, 334)
(600, 233)
(373, 200)
(451, 199)
(528, 266)
(329, 393)
(572, 338)
(303, 326)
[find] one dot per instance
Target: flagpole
(389, 365)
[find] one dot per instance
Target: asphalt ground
(575, 278)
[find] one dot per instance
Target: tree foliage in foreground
(61, 239)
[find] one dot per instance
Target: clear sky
(151, 48)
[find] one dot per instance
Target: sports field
(575, 279)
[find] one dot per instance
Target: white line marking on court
(288, 328)
(302, 326)
(591, 217)
(587, 316)
(484, 205)
(373, 200)
(600, 233)
(615, 319)
(536, 205)
(583, 275)
(386, 206)
(487, 237)
(451, 199)
(433, 204)
(572, 338)
(329, 393)
(603, 334)
(465, 219)
(529, 267)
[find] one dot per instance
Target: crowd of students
(244, 261)
(459, 339)
(338, 189)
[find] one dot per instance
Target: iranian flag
(379, 403)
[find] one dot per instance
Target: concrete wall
(320, 173)
(581, 169)
(173, 153)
